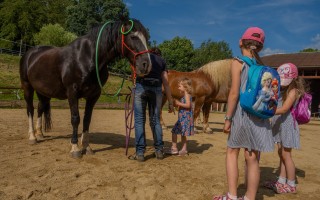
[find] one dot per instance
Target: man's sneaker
(159, 155)
(140, 157)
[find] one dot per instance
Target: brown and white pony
(210, 83)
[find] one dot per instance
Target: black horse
(71, 73)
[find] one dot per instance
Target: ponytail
(256, 56)
(254, 47)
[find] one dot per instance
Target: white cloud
(315, 42)
(269, 51)
(277, 3)
(211, 22)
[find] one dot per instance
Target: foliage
(310, 50)
(21, 19)
(53, 35)
(87, 13)
(210, 51)
(57, 11)
(177, 53)
(121, 66)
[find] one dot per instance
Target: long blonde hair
(187, 84)
(299, 84)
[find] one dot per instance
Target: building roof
(301, 60)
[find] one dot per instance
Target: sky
(289, 25)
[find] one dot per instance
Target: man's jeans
(151, 96)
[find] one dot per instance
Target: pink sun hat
(287, 73)
(254, 33)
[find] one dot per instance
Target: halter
(123, 44)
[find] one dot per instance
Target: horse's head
(134, 46)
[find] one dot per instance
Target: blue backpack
(262, 91)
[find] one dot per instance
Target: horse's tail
(47, 116)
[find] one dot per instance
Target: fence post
(20, 47)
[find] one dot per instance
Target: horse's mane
(112, 33)
(218, 71)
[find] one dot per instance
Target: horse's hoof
(89, 151)
(40, 136)
(32, 142)
(76, 154)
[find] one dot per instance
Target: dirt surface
(46, 170)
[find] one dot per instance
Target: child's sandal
(183, 153)
(279, 188)
(172, 151)
(290, 189)
(222, 197)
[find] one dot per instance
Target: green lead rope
(97, 65)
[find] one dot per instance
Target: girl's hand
(227, 126)
(175, 103)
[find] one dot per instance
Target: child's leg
(289, 164)
(184, 143)
(283, 173)
(232, 169)
(174, 141)
(246, 170)
(253, 173)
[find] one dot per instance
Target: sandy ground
(46, 171)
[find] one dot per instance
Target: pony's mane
(218, 71)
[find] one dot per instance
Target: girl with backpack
(285, 127)
(246, 131)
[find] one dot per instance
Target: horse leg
(197, 106)
(43, 107)
(90, 102)
(28, 96)
(164, 99)
(206, 111)
(75, 121)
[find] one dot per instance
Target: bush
(54, 35)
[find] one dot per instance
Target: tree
(178, 53)
(85, 14)
(57, 11)
(309, 50)
(21, 19)
(54, 35)
(211, 51)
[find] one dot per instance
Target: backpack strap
(249, 61)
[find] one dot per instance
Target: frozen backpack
(302, 111)
(260, 97)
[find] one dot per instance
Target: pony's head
(134, 46)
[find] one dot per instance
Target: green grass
(9, 77)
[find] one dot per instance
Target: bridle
(135, 54)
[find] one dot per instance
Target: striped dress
(285, 129)
(249, 131)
